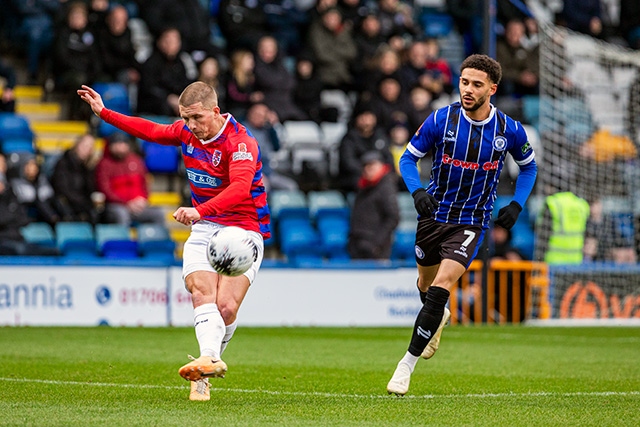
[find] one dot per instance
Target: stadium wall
(55, 295)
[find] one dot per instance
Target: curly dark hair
(484, 63)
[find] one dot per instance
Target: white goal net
(589, 128)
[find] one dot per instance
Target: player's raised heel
(200, 390)
(434, 343)
(399, 383)
(203, 367)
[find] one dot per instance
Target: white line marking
(336, 395)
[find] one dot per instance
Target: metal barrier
(503, 292)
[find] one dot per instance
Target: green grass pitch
(481, 376)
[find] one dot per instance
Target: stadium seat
(332, 134)
(406, 206)
(155, 242)
(339, 99)
(115, 96)
(39, 233)
(298, 239)
(531, 109)
(327, 203)
(14, 127)
(114, 241)
(404, 238)
(288, 204)
(17, 145)
(334, 236)
(436, 24)
(161, 158)
(76, 239)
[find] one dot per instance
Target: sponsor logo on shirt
(242, 153)
(487, 166)
(201, 179)
(451, 136)
(526, 147)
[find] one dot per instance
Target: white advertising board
(83, 296)
(315, 297)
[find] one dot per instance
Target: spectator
(397, 24)
(122, 176)
(399, 137)
(307, 95)
(34, 191)
(387, 65)
(563, 223)
(241, 89)
(98, 11)
(500, 246)
(164, 75)
(117, 50)
(286, 22)
(76, 57)
(8, 98)
(262, 123)
(275, 81)
(420, 107)
(334, 49)
(607, 237)
(242, 23)
(363, 136)
(389, 103)
(209, 73)
(73, 180)
(368, 40)
(439, 70)
(520, 67)
(35, 31)
(630, 22)
(583, 16)
(13, 217)
(191, 20)
(412, 70)
(375, 214)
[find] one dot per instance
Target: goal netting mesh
(589, 128)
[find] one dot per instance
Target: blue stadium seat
(288, 204)
(436, 24)
(334, 236)
(327, 203)
(14, 127)
(17, 145)
(155, 242)
(161, 158)
(39, 233)
(76, 239)
(114, 241)
(404, 239)
(298, 239)
(115, 97)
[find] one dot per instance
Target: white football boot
(434, 343)
(200, 390)
(399, 383)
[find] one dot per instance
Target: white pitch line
(336, 395)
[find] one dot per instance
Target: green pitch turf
(481, 376)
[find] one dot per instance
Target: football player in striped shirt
(224, 170)
(469, 141)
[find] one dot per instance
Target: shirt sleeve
(523, 154)
(143, 128)
(421, 143)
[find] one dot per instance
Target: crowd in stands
(270, 62)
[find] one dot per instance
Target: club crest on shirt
(217, 156)
(190, 149)
(419, 252)
(242, 153)
(499, 143)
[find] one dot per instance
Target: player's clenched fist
(186, 216)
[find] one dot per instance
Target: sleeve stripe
(413, 150)
(526, 160)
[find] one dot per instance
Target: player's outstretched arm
(92, 98)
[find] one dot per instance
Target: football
(231, 251)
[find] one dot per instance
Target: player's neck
(481, 113)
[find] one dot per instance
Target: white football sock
(410, 360)
(227, 336)
(209, 329)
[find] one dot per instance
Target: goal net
(589, 129)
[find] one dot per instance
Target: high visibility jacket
(569, 214)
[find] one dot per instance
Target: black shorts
(436, 241)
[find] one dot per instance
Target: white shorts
(194, 254)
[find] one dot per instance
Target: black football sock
(423, 295)
(428, 319)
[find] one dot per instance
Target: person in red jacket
(122, 176)
(224, 168)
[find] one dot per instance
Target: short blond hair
(199, 92)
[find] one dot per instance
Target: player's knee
(228, 311)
